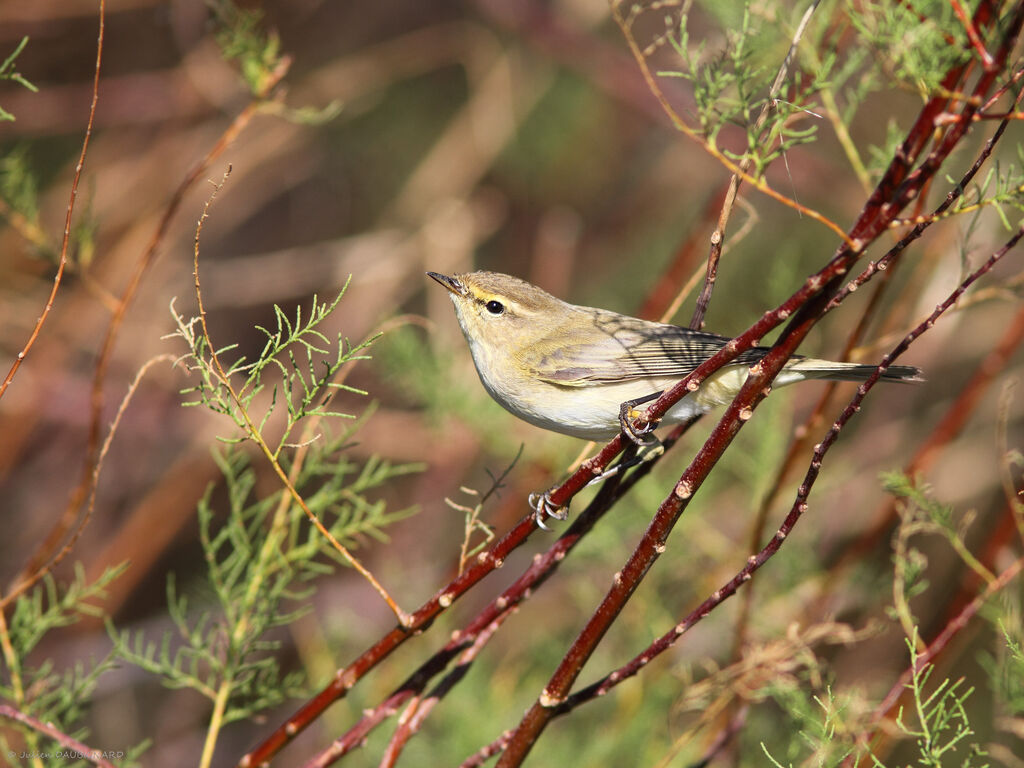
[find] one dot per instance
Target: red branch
(37, 565)
(934, 648)
(80, 750)
(897, 188)
(972, 34)
(63, 260)
(806, 306)
(799, 507)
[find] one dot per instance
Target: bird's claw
(648, 451)
(641, 436)
(544, 508)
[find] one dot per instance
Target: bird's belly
(592, 412)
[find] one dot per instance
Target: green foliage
(900, 45)
(18, 185)
(940, 722)
(257, 52)
(83, 233)
(937, 721)
(733, 86)
(303, 358)
(8, 72)
(1000, 188)
(923, 514)
(910, 46)
(43, 691)
(19, 199)
(242, 39)
(263, 557)
(1006, 666)
(338, 489)
(823, 733)
(19, 192)
(852, 79)
(261, 563)
(912, 52)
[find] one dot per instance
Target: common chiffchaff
(569, 368)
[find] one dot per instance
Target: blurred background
(512, 135)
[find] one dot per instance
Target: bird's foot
(543, 508)
(628, 413)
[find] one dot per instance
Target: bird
(579, 370)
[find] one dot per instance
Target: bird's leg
(544, 508)
(647, 447)
(646, 452)
(628, 412)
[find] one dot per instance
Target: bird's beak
(452, 284)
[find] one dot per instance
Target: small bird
(580, 370)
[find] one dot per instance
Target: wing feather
(625, 349)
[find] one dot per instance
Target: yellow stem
(254, 433)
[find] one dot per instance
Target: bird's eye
(495, 307)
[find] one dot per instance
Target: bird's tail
(810, 368)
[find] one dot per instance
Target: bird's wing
(628, 349)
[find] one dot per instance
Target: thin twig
(928, 656)
(718, 236)
(691, 133)
(80, 750)
(24, 583)
(27, 582)
(257, 437)
(799, 507)
(148, 258)
(972, 34)
(63, 259)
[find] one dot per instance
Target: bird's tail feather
(826, 369)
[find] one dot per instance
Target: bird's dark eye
(495, 307)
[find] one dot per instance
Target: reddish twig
(78, 750)
(63, 259)
(928, 656)
(896, 189)
(794, 451)
(718, 236)
(413, 720)
(419, 620)
(82, 490)
(954, 194)
(539, 570)
(972, 34)
(956, 416)
(417, 709)
(799, 507)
